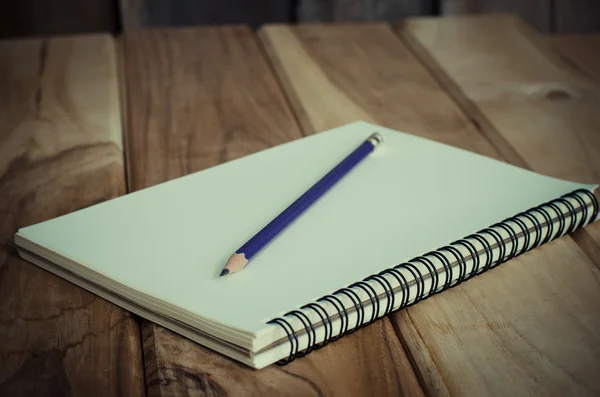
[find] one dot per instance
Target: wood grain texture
(193, 106)
(580, 17)
(60, 151)
(529, 327)
(361, 10)
(369, 362)
(161, 13)
(537, 13)
(339, 74)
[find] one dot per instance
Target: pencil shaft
(253, 246)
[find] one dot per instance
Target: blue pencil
(252, 247)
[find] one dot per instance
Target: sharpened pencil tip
(235, 263)
(224, 272)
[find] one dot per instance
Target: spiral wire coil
(564, 210)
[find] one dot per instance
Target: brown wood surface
(339, 74)
(193, 106)
(60, 150)
(529, 327)
(361, 10)
(161, 13)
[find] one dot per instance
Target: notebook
(413, 219)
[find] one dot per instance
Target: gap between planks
(122, 86)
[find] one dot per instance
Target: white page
(408, 197)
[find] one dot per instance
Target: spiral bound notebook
(415, 218)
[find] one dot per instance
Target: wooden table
(88, 118)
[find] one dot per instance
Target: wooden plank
(537, 315)
(361, 10)
(191, 107)
(579, 17)
(160, 13)
(60, 151)
(537, 13)
(39, 18)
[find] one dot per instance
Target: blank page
(408, 197)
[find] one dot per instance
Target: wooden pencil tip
(235, 263)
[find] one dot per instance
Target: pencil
(252, 247)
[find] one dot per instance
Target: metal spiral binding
(514, 227)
